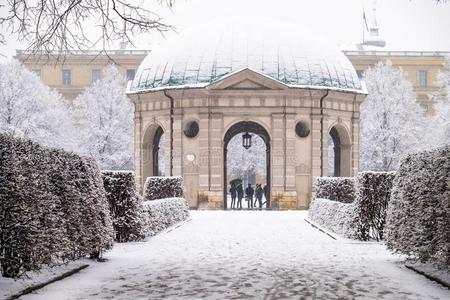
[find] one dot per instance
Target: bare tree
(64, 26)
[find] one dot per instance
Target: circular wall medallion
(302, 129)
(191, 129)
(190, 157)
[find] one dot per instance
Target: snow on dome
(285, 52)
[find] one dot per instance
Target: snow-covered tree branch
(104, 117)
(30, 109)
(392, 123)
(63, 26)
(245, 163)
(442, 118)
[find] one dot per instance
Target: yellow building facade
(420, 68)
(81, 69)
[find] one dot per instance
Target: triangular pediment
(247, 79)
(247, 84)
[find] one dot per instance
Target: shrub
(124, 205)
(418, 217)
(161, 214)
(163, 187)
(373, 190)
(341, 189)
(52, 206)
(335, 216)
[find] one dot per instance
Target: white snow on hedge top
(285, 52)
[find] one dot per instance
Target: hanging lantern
(246, 140)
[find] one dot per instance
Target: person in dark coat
(249, 191)
(258, 195)
(233, 193)
(240, 195)
(267, 194)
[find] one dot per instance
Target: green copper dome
(203, 54)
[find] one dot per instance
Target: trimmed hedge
(163, 213)
(373, 191)
(341, 189)
(418, 217)
(125, 205)
(362, 219)
(163, 187)
(335, 216)
(52, 206)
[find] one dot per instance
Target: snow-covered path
(246, 254)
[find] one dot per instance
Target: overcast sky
(405, 24)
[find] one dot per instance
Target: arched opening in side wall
(339, 152)
(153, 152)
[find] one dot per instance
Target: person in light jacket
(258, 195)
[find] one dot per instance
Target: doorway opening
(246, 162)
(339, 152)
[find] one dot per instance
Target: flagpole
(363, 20)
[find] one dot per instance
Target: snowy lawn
(246, 254)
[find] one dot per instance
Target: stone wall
(243, 97)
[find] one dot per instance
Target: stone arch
(151, 150)
(341, 149)
(237, 121)
(242, 127)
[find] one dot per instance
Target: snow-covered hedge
(163, 187)
(362, 219)
(52, 206)
(125, 205)
(418, 217)
(163, 213)
(373, 190)
(340, 189)
(335, 216)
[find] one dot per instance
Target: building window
(66, 77)
(37, 72)
(423, 78)
(96, 75)
(130, 74)
(359, 73)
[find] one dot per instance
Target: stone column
(138, 157)
(203, 151)
(216, 200)
(177, 144)
(355, 142)
(278, 153)
(290, 161)
(284, 195)
(315, 142)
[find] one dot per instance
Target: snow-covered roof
(205, 53)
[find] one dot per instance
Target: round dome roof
(205, 53)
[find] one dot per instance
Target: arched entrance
(158, 152)
(153, 152)
(339, 152)
(251, 128)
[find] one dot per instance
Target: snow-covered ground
(246, 254)
(11, 286)
(245, 203)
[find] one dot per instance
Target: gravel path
(246, 254)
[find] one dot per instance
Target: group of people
(253, 196)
